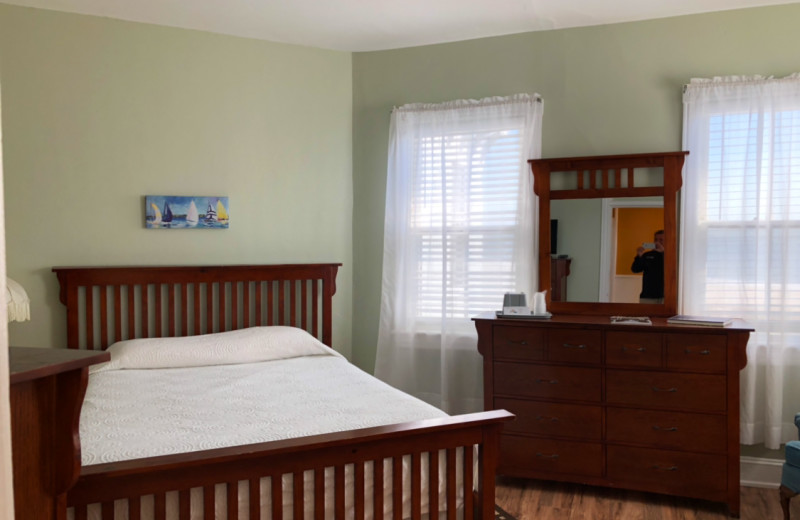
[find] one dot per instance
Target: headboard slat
(89, 312)
(165, 301)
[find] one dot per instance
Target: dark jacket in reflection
(651, 265)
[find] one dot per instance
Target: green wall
(607, 89)
(98, 113)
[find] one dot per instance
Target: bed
(390, 470)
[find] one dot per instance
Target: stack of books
(685, 319)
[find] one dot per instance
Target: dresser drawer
(574, 346)
(571, 457)
(673, 472)
(518, 343)
(672, 430)
(553, 419)
(690, 392)
(633, 349)
(700, 352)
(551, 382)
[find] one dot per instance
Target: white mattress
(234, 397)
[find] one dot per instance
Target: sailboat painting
(181, 212)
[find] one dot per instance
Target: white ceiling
(367, 25)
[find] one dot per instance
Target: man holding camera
(651, 264)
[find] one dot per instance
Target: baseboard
(760, 472)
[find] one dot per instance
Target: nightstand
(47, 390)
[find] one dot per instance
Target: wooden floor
(545, 500)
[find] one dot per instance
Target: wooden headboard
(108, 304)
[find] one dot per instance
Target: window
(752, 213)
(740, 233)
(462, 221)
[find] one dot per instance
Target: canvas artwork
(178, 212)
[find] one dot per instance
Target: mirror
(594, 214)
(600, 240)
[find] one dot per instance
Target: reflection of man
(651, 265)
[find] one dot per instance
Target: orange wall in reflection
(634, 226)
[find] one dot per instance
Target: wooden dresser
(646, 407)
(47, 389)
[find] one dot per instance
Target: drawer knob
(570, 345)
(671, 390)
(665, 429)
(637, 349)
(546, 418)
(659, 467)
(551, 456)
(703, 352)
(547, 381)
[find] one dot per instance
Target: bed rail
(141, 488)
(108, 304)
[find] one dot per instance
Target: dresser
(646, 407)
(47, 389)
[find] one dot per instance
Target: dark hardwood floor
(546, 500)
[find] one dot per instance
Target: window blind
(752, 213)
(465, 200)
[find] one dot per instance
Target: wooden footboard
(230, 480)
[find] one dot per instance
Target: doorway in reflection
(597, 242)
(632, 227)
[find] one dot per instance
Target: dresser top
(582, 320)
(26, 363)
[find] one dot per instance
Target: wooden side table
(47, 390)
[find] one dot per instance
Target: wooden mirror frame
(612, 184)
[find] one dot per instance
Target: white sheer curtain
(458, 235)
(740, 236)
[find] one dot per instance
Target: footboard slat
(451, 484)
(160, 506)
(232, 499)
(107, 510)
(468, 480)
(416, 487)
(377, 479)
(277, 497)
(254, 498)
(358, 492)
(433, 473)
(297, 486)
(184, 504)
(397, 488)
(338, 486)
(319, 493)
(135, 508)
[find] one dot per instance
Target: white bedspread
(136, 413)
(158, 397)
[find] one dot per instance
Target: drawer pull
(638, 349)
(704, 352)
(546, 418)
(570, 345)
(658, 467)
(523, 342)
(552, 456)
(668, 429)
(548, 381)
(671, 390)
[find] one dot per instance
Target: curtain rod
(433, 106)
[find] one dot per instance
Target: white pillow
(249, 345)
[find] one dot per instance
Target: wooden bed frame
(108, 304)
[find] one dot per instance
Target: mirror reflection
(607, 250)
